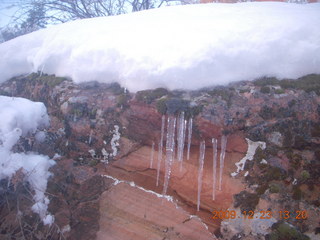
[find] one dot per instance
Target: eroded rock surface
(88, 119)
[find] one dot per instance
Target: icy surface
(189, 137)
(20, 117)
(160, 146)
(222, 156)
(252, 147)
(171, 127)
(200, 172)
(181, 138)
(152, 155)
(181, 47)
(214, 167)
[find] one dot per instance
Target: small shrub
(274, 188)
(305, 175)
(265, 89)
(279, 91)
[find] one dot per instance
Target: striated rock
(128, 212)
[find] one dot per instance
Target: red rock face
(83, 119)
(128, 212)
(183, 184)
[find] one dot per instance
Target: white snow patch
(255, 226)
(181, 47)
(294, 182)
(20, 117)
(252, 147)
(263, 161)
(132, 184)
(40, 136)
(114, 144)
(115, 141)
(65, 229)
(92, 153)
(199, 219)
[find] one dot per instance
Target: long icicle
(214, 167)
(169, 151)
(180, 138)
(160, 146)
(152, 155)
(200, 172)
(189, 137)
(184, 138)
(222, 155)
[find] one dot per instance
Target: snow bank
(20, 117)
(186, 47)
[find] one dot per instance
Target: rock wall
(87, 119)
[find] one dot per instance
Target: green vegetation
(279, 91)
(175, 105)
(246, 201)
(274, 188)
(305, 175)
(266, 112)
(284, 231)
(122, 100)
(148, 96)
(265, 89)
(307, 83)
(264, 81)
(50, 80)
(223, 92)
(296, 193)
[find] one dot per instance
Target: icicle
(159, 162)
(151, 156)
(222, 155)
(169, 151)
(90, 137)
(189, 137)
(214, 168)
(200, 172)
(160, 146)
(184, 138)
(180, 138)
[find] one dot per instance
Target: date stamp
(283, 214)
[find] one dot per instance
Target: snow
(252, 147)
(20, 117)
(133, 184)
(180, 47)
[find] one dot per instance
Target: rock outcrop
(99, 130)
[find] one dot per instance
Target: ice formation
(133, 184)
(252, 147)
(180, 138)
(20, 117)
(200, 172)
(151, 155)
(222, 156)
(189, 137)
(160, 146)
(171, 127)
(115, 141)
(214, 167)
